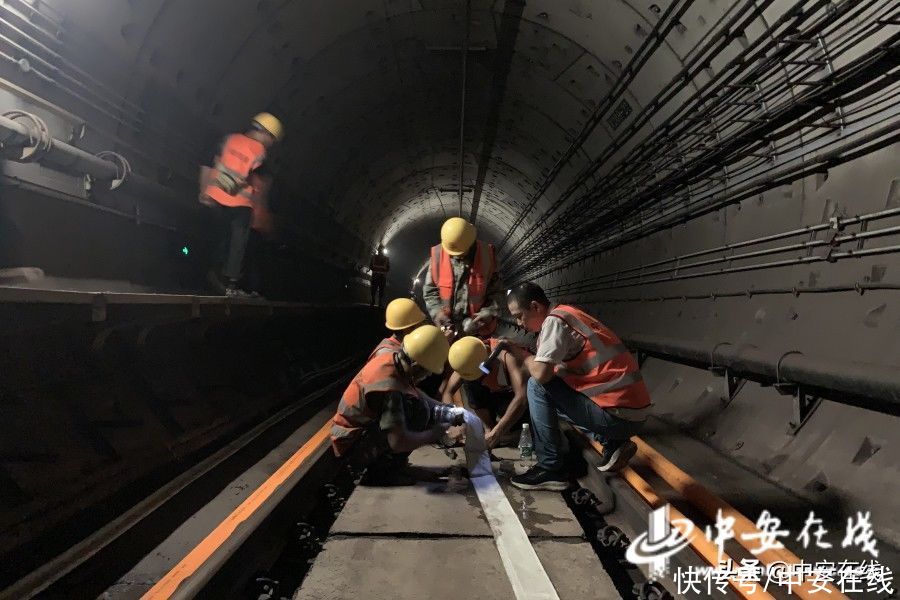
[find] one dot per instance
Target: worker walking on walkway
(498, 377)
(380, 265)
(582, 372)
(236, 189)
(384, 404)
(463, 290)
(402, 317)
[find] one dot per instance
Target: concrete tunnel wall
(369, 92)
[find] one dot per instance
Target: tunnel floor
(432, 540)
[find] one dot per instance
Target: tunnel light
(384, 251)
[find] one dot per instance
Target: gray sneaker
(233, 292)
(615, 458)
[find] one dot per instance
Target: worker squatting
(578, 371)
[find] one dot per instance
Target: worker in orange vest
(499, 385)
(384, 404)
(380, 265)
(402, 317)
(463, 290)
(581, 371)
(235, 188)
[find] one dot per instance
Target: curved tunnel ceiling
(579, 115)
(370, 90)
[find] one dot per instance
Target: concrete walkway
(432, 541)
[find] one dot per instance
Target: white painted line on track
(526, 574)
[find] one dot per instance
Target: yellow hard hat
(402, 313)
(466, 356)
(457, 236)
(270, 123)
(428, 347)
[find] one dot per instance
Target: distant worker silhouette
(380, 265)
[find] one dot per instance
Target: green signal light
(185, 250)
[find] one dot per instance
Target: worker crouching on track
(236, 189)
(402, 316)
(463, 289)
(384, 405)
(499, 392)
(582, 372)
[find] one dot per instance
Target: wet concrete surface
(431, 540)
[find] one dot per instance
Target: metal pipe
(834, 257)
(73, 119)
(866, 385)
(713, 46)
(827, 158)
(75, 159)
(60, 153)
(665, 128)
(844, 221)
(859, 288)
(462, 105)
(599, 283)
(77, 122)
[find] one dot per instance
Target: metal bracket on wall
(733, 384)
(803, 407)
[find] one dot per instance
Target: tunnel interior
(697, 173)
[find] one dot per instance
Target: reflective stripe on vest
(353, 413)
(245, 191)
(604, 371)
(385, 346)
(480, 275)
(616, 384)
(240, 155)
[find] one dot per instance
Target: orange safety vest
(353, 413)
(480, 275)
(380, 265)
(604, 371)
(498, 379)
(239, 157)
(388, 345)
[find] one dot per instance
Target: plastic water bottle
(526, 445)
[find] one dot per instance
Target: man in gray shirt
(583, 373)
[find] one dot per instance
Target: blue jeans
(555, 399)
